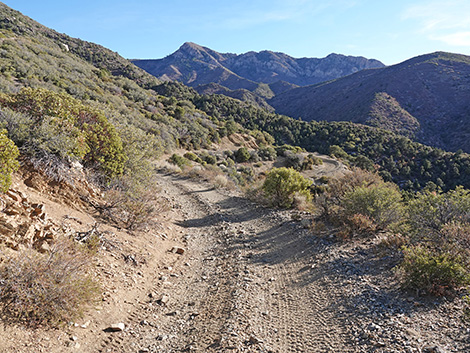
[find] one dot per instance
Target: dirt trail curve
(240, 285)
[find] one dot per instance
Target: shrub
(242, 155)
(133, 205)
(430, 211)
(329, 202)
(8, 163)
(281, 150)
(254, 157)
(282, 184)
(432, 271)
(311, 161)
(358, 224)
(267, 153)
(336, 151)
(208, 158)
(178, 160)
(381, 203)
(220, 181)
(294, 160)
(53, 288)
(63, 126)
(192, 157)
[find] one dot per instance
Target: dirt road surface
(252, 279)
(240, 285)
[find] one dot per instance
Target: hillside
(196, 65)
(142, 216)
(426, 96)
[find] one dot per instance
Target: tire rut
(244, 289)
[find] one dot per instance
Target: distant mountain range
(427, 96)
(265, 73)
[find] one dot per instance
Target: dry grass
(50, 289)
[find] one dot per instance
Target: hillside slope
(194, 65)
(426, 95)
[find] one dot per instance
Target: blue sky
(387, 30)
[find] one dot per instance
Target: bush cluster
(435, 226)
(8, 160)
(43, 122)
(282, 185)
(51, 288)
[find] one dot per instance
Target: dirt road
(253, 280)
(240, 286)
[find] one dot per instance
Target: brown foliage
(50, 289)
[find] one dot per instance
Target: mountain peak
(191, 45)
(195, 64)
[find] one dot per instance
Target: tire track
(245, 289)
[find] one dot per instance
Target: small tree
(8, 163)
(242, 155)
(283, 184)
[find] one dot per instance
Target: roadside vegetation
(67, 105)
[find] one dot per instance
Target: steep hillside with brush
(426, 96)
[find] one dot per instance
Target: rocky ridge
(196, 65)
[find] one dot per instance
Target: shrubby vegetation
(432, 271)
(282, 185)
(409, 164)
(433, 227)
(46, 289)
(8, 160)
(51, 124)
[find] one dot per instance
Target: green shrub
(432, 271)
(430, 211)
(8, 163)
(179, 161)
(209, 158)
(63, 126)
(329, 202)
(381, 203)
(311, 161)
(336, 151)
(192, 157)
(283, 184)
(52, 288)
(242, 155)
(267, 153)
(281, 150)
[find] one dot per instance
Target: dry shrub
(51, 289)
(360, 225)
(169, 168)
(213, 175)
(302, 203)
(457, 237)
(392, 241)
(220, 181)
(133, 209)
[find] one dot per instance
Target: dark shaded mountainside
(265, 73)
(426, 97)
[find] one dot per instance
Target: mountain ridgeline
(426, 97)
(266, 73)
(51, 85)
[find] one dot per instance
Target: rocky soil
(223, 274)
